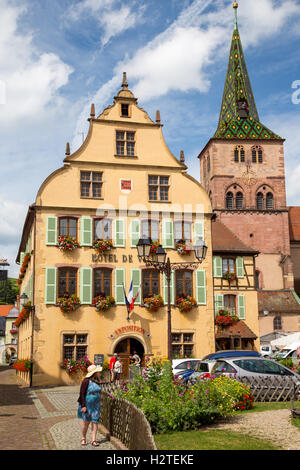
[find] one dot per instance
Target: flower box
(73, 366)
(102, 303)
(229, 276)
(153, 303)
(22, 365)
(13, 331)
(183, 247)
(23, 315)
(225, 318)
(66, 243)
(102, 245)
(23, 268)
(185, 304)
(68, 304)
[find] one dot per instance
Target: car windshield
(186, 365)
(282, 353)
(223, 366)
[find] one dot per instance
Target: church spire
(238, 116)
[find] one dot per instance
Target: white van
(290, 351)
(266, 350)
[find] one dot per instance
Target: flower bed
(170, 406)
(153, 303)
(68, 304)
(225, 318)
(102, 245)
(66, 243)
(23, 315)
(22, 365)
(102, 303)
(185, 304)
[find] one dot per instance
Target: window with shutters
(150, 283)
(228, 265)
(183, 283)
(158, 188)
(150, 229)
(67, 281)
(182, 231)
(75, 346)
(125, 143)
(102, 282)
(91, 184)
(102, 229)
(182, 344)
(68, 227)
(230, 303)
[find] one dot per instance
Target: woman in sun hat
(89, 403)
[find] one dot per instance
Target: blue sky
(59, 56)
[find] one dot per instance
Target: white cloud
(31, 78)
(112, 16)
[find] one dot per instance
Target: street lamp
(161, 263)
(24, 302)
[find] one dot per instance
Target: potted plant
(225, 318)
(229, 276)
(22, 365)
(68, 303)
(102, 245)
(103, 303)
(183, 248)
(67, 243)
(23, 315)
(154, 246)
(153, 303)
(185, 303)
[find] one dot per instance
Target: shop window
(67, 282)
(74, 346)
(102, 282)
(184, 284)
(150, 283)
(182, 344)
(125, 143)
(102, 229)
(158, 188)
(91, 184)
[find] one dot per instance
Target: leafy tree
(12, 290)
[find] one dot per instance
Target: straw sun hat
(92, 369)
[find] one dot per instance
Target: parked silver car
(251, 367)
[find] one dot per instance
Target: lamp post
(161, 263)
(24, 301)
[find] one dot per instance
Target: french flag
(130, 299)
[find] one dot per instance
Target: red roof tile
(223, 239)
(237, 329)
(5, 309)
(278, 302)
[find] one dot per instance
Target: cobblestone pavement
(40, 419)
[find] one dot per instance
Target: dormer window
(124, 110)
(243, 109)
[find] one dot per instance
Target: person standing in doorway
(118, 370)
(112, 367)
(136, 358)
(89, 403)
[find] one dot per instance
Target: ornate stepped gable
(239, 117)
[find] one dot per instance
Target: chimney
(157, 118)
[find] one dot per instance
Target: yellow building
(121, 185)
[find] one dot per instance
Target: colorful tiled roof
(239, 117)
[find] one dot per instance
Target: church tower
(242, 170)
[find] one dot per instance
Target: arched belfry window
(239, 154)
(260, 201)
(239, 199)
(269, 201)
(229, 200)
(257, 154)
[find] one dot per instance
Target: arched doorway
(126, 348)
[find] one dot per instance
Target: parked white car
(182, 365)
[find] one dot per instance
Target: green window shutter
(31, 288)
(120, 233)
(167, 233)
(136, 282)
(86, 231)
(50, 286)
(219, 303)
(172, 289)
(217, 264)
(241, 307)
(240, 267)
(198, 230)
(135, 231)
(51, 230)
(119, 283)
(22, 258)
(86, 280)
(201, 286)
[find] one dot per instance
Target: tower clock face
(249, 177)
